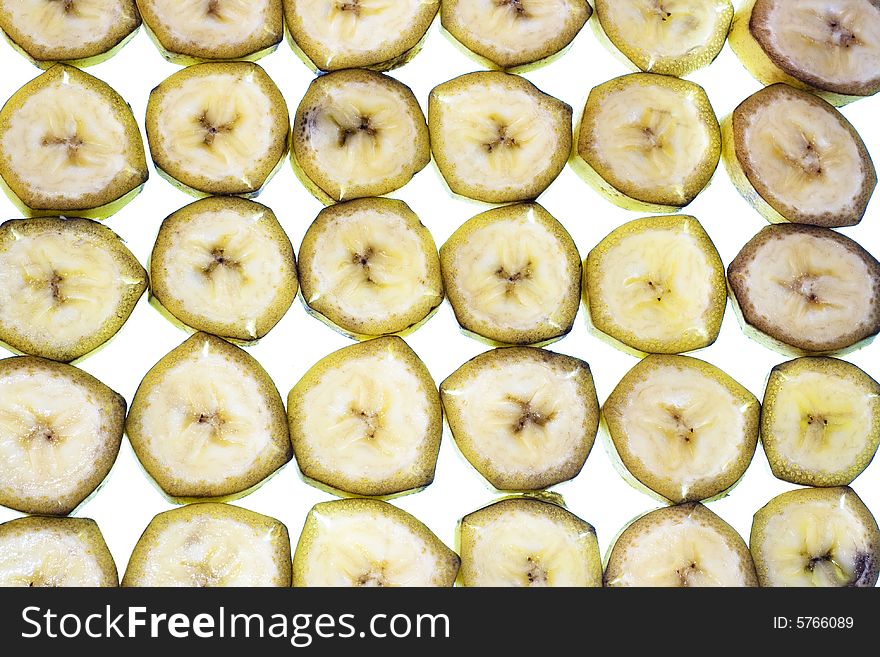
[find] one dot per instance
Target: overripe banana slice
(376, 34)
(522, 541)
(514, 33)
(648, 142)
(682, 427)
(816, 537)
(369, 267)
(513, 275)
(363, 542)
(820, 421)
(66, 286)
(210, 545)
(525, 418)
(795, 158)
(680, 546)
(60, 431)
(657, 286)
(496, 137)
(224, 265)
(54, 552)
(367, 420)
(806, 289)
(830, 47)
(69, 144)
(358, 133)
(670, 37)
(207, 421)
(218, 128)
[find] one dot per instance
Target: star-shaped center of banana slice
(213, 128)
(840, 34)
(535, 573)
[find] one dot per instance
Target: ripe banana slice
(218, 128)
(210, 545)
(52, 552)
(648, 142)
(358, 133)
(369, 267)
(60, 431)
(820, 422)
(795, 158)
(656, 286)
(69, 144)
(377, 34)
(367, 420)
(513, 275)
(682, 427)
(224, 265)
(514, 33)
(207, 421)
(525, 418)
(496, 137)
(66, 286)
(806, 289)
(522, 541)
(680, 546)
(816, 537)
(363, 542)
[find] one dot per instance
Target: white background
(128, 500)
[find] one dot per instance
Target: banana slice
(218, 128)
(829, 47)
(525, 418)
(207, 421)
(496, 137)
(358, 133)
(820, 421)
(514, 33)
(369, 267)
(656, 286)
(210, 545)
(69, 144)
(377, 34)
(670, 37)
(816, 537)
(362, 542)
(198, 30)
(224, 265)
(648, 142)
(682, 427)
(66, 286)
(60, 431)
(522, 541)
(680, 546)
(364, 434)
(55, 552)
(77, 32)
(795, 158)
(806, 289)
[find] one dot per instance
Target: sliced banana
(806, 289)
(496, 137)
(69, 144)
(218, 128)
(224, 265)
(525, 418)
(682, 427)
(210, 545)
(60, 431)
(657, 285)
(816, 537)
(207, 421)
(361, 542)
(680, 546)
(367, 420)
(369, 267)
